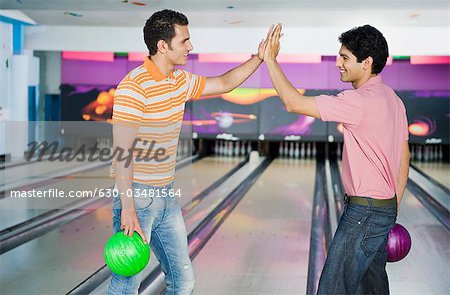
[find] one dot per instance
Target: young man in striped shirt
(148, 106)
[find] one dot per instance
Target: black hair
(367, 41)
(161, 26)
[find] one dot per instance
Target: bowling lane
(425, 269)
(74, 251)
(201, 174)
(264, 243)
(37, 171)
(15, 210)
(438, 171)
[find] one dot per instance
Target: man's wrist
(256, 56)
(270, 61)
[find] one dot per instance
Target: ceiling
(241, 13)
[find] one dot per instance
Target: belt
(364, 201)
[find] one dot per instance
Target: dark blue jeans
(357, 257)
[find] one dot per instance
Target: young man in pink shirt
(375, 158)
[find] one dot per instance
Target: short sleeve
(129, 103)
(195, 85)
(344, 108)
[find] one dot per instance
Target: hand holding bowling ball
(398, 244)
(126, 256)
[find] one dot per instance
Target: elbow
(293, 109)
(288, 106)
(289, 109)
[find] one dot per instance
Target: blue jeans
(357, 257)
(162, 222)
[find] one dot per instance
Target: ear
(162, 46)
(367, 63)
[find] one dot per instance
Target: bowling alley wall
(254, 109)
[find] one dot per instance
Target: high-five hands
(272, 43)
(263, 43)
(268, 48)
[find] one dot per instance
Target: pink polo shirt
(375, 128)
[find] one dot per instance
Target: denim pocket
(142, 203)
(354, 213)
(377, 230)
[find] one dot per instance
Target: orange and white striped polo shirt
(155, 103)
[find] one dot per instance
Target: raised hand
(273, 44)
(263, 43)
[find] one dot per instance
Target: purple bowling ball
(398, 244)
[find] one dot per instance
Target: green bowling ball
(126, 256)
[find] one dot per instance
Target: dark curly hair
(367, 41)
(161, 26)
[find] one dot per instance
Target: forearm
(402, 178)
(124, 179)
(239, 74)
(124, 141)
(287, 92)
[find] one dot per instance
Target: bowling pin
(225, 147)
(419, 153)
(314, 150)
(308, 149)
(236, 149)
(242, 148)
(220, 147)
(431, 153)
(230, 149)
(286, 149)
(426, 154)
(296, 151)
(302, 150)
(436, 153)
(249, 147)
(291, 150)
(280, 150)
(441, 154)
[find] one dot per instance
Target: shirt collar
(156, 74)
(372, 81)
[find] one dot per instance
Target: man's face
(349, 68)
(180, 46)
